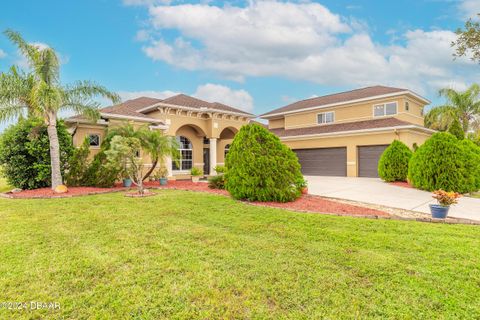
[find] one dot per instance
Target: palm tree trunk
(154, 165)
(54, 151)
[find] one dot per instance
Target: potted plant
(303, 186)
(445, 200)
(161, 175)
(127, 181)
(196, 173)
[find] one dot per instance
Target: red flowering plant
(445, 198)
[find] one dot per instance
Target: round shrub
(471, 152)
(455, 128)
(25, 153)
(393, 164)
(442, 163)
(261, 168)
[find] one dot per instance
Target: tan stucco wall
(209, 127)
(351, 142)
(276, 123)
(353, 112)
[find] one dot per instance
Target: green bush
(455, 128)
(472, 162)
(99, 173)
(25, 153)
(393, 164)
(78, 165)
(442, 162)
(216, 182)
(261, 168)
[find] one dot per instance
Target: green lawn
(187, 255)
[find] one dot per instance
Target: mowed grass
(187, 255)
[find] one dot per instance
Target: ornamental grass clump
(261, 168)
(393, 164)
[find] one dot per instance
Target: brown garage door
(323, 161)
(368, 157)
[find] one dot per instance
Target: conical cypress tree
(261, 168)
(393, 164)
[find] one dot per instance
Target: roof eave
(347, 132)
(272, 115)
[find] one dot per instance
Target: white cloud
(239, 99)
(128, 95)
(470, 8)
(2, 54)
(303, 41)
(145, 2)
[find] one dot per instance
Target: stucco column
(168, 163)
(351, 160)
(213, 155)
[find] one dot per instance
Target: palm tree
(43, 96)
(158, 146)
(153, 142)
(461, 105)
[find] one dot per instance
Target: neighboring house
(204, 130)
(344, 134)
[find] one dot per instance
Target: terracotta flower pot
(305, 190)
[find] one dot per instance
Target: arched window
(227, 148)
(186, 154)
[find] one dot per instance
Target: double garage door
(333, 161)
(323, 161)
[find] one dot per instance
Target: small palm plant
(41, 94)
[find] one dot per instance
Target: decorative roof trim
(267, 116)
(201, 109)
(119, 116)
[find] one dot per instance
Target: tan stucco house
(203, 129)
(344, 134)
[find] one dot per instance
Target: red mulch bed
(318, 204)
(402, 184)
(308, 203)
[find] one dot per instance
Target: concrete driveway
(375, 191)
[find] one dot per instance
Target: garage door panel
(368, 157)
(323, 161)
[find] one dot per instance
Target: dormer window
(326, 117)
(407, 106)
(386, 109)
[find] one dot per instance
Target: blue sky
(255, 55)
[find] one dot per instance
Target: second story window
(386, 109)
(325, 117)
(94, 140)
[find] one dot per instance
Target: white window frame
(99, 140)
(324, 113)
(180, 161)
(385, 109)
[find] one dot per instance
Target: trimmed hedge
(261, 168)
(25, 153)
(393, 164)
(442, 162)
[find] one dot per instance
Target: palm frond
(28, 50)
(90, 90)
(47, 66)
(9, 111)
(81, 106)
(440, 118)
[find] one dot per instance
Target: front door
(206, 161)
